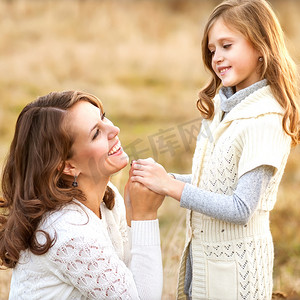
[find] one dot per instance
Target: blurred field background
(143, 59)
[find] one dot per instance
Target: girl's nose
(218, 57)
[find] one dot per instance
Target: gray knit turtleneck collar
(229, 99)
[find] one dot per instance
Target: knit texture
(233, 261)
(91, 257)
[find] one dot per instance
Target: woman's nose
(113, 131)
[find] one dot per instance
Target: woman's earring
(260, 58)
(75, 183)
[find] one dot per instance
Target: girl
(64, 232)
(250, 125)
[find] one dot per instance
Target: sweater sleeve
(97, 272)
(264, 142)
(186, 178)
(237, 208)
(146, 262)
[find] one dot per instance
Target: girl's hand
(150, 174)
(155, 177)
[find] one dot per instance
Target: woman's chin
(124, 161)
(121, 162)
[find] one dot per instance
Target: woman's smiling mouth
(115, 148)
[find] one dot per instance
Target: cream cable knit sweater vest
(235, 261)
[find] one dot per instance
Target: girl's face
(97, 151)
(234, 59)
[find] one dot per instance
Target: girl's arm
(186, 178)
(236, 208)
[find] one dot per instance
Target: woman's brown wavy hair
(257, 22)
(32, 181)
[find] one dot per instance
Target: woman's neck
(94, 193)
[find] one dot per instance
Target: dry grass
(5, 281)
(142, 58)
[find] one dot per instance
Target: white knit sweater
(91, 258)
(233, 261)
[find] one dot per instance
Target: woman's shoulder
(70, 221)
(67, 213)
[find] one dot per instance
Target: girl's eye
(103, 116)
(227, 46)
(96, 134)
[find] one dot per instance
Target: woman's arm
(146, 263)
(93, 267)
(87, 260)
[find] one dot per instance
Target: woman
(65, 232)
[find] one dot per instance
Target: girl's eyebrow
(220, 40)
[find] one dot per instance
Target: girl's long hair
(33, 183)
(257, 22)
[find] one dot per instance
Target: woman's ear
(69, 169)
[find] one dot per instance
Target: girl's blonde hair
(258, 23)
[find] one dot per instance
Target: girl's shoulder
(264, 102)
(217, 102)
(260, 103)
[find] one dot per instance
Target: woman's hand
(141, 203)
(128, 205)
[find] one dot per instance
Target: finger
(137, 179)
(145, 162)
(140, 167)
(132, 162)
(150, 159)
(138, 173)
(137, 166)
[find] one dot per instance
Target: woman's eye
(103, 116)
(96, 134)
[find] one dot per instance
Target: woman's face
(97, 151)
